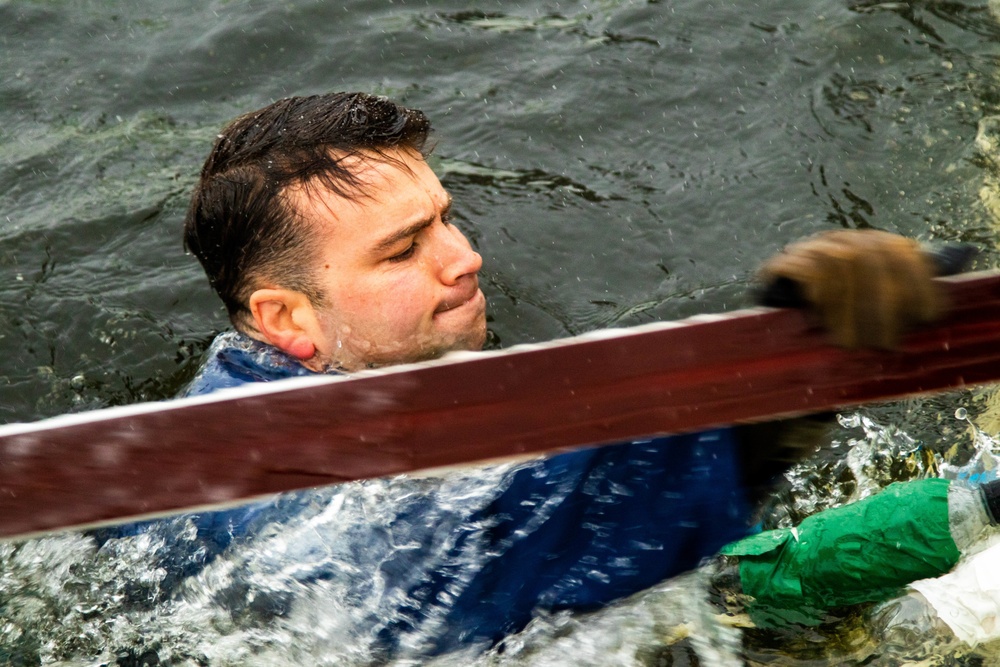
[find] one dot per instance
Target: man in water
(328, 238)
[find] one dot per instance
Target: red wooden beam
(599, 388)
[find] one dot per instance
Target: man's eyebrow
(410, 230)
(405, 232)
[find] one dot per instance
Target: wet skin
(398, 281)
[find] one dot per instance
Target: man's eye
(446, 217)
(405, 255)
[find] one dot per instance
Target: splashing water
(982, 465)
(879, 456)
(311, 584)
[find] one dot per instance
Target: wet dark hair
(241, 227)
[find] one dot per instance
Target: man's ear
(285, 319)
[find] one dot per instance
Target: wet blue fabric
(235, 359)
(627, 517)
(571, 531)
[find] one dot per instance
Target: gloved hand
(867, 287)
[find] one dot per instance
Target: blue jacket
(571, 531)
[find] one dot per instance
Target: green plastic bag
(863, 552)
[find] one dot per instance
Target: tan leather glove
(867, 287)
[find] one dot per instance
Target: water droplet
(961, 413)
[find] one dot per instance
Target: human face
(399, 281)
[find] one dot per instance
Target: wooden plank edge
(608, 386)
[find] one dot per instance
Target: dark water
(614, 162)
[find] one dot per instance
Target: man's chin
(475, 340)
(470, 345)
(470, 341)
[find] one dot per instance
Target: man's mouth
(458, 302)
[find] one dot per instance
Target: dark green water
(614, 162)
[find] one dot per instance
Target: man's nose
(457, 258)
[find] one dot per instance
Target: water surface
(614, 162)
